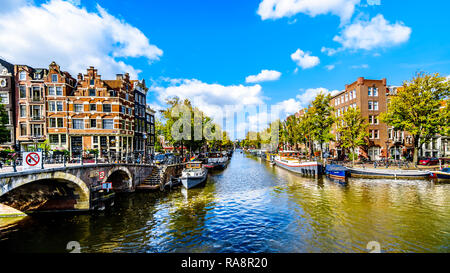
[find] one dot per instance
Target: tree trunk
(353, 156)
(416, 151)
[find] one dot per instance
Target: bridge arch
(34, 186)
(121, 178)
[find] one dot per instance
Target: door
(76, 142)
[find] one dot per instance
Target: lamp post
(387, 152)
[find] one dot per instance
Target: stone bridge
(67, 188)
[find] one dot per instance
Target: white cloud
(304, 59)
(75, 38)
(264, 76)
(308, 95)
(368, 35)
(361, 66)
(274, 9)
(330, 67)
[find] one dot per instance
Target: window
(346, 97)
(52, 122)
(23, 111)
(51, 106)
(54, 78)
(54, 139)
(78, 124)
(59, 106)
(4, 98)
(375, 105)
(375, 92)
(354, 94)
(369, 92)
(126, 96)
(92, 92)
(22, 75)
(78, 107)
(92, 107)
(51, 91)
(63, 139)
(112, 93)
(36, 130)
(59, 91)
(107, 108)
(93, 123)
(60, 122)
(92, 82)
(108, 124)
(22, 91)
(390, 133)
(375, 134)
(23, 129)
(375, 119)
(370, 105)
(95, 139)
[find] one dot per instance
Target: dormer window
(54, 78)
(92, 82)
(22, 75)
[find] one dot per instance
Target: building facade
(150, 129)
(7, 98)
(140, 117)
(31, 107)
(101, 118)
(58, 85)
(370, 97)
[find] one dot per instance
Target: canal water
(253, 207)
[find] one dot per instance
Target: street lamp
(387, 152)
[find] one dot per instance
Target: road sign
(101, 175)
(106, 186)
(32, 160)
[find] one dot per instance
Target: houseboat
(216, 161)
(290, 160)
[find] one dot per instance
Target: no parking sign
(31, 160)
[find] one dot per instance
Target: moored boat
(389, 173)
(193, 175)
(287, 160)
(216, 161)
(337, 171)
(442, 175)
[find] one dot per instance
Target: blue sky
(196, 45)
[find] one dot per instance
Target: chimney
(80, 77)
(361, 80)
(384, 81)
(119, 77)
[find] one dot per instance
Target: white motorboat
(193, 175)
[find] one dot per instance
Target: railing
(37, 118)
(36, 99)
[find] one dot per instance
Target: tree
(352, 130)
(321, 119)
(417, 109)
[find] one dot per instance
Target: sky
(232, 52)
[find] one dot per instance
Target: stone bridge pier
(66, 188)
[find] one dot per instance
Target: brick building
(370, 97)
(30, 107)
(59, 85)
(140, 102)
(150, 129)
(101, 116)
(7, 96)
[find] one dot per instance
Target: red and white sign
(32, 160)
(101, 175)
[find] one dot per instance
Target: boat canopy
(194, 165)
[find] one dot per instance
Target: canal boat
(290, 161)
(388, 173)
(442, 175)
(337, 171)
(216, 161)
(193, 175)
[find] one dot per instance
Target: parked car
(429, 161)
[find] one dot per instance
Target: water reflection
(253, 207)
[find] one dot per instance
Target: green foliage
(417, 108)
(321, 118)
(352, 129)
